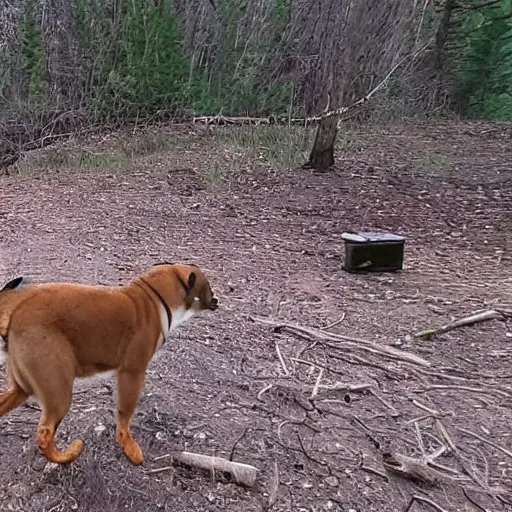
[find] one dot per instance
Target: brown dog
(56, 332)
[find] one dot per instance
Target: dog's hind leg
(48, 424)
(48, 371)
(54, 395)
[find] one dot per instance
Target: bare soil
(270, 240)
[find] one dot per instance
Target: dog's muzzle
(214, 304)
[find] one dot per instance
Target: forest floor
(102, 208)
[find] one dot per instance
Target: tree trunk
(322, 154)
(60, 39)
(442, 32)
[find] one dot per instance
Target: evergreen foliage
(485, 72)
(133, 61)
(32, 47)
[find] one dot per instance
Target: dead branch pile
(444, 453)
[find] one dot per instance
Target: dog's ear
(191, 281)
(13, 283)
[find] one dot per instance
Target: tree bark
(442, 32)
(322, 154)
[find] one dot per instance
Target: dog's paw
(134, 452)
(130, 447)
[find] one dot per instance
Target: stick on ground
(428, 501)
(243, 474)
(491, 314)
(343, 342)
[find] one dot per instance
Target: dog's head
(183, 286)
(199, 292)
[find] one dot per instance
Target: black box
(373, 252)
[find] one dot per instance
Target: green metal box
(373, 252)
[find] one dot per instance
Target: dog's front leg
(130, 384)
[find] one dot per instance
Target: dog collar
(164, 304)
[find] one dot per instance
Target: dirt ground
(270, 240)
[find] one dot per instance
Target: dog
(54, 333)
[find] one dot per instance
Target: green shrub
(485, 86)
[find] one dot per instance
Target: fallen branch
(490, 314)
(220, 119)
(345, 341)
(410, 468)
(243, 474)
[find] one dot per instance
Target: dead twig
(423, 499)
(472, 501)
(272, 495)
(317, 384)
(334, 324)
(344, 342)
(312, 459)
(243, 474)
(232, 453)
(394, 412)
(431, 412)
(490, 314)
(367, 430)
(486, 441)
(281, 360)
(374, 471)
(451, 444)
(264, 390)
(351, 388)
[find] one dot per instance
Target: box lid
(365, 237)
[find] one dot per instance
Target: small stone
(332, 481)
(307, 485)
(397, 343)
(99, 429)
(50, 466)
